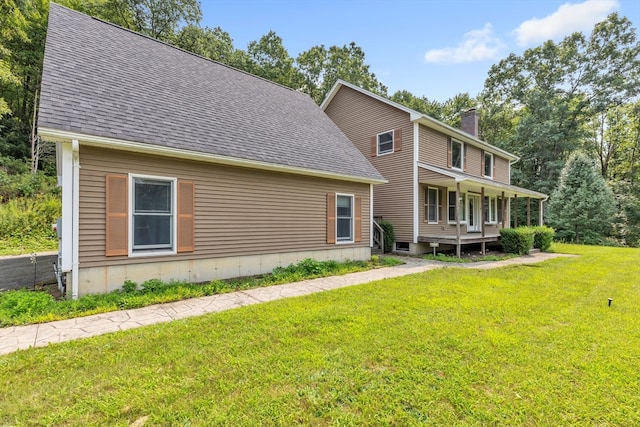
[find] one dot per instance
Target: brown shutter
(481, 162)
(397, 139)
(117, 215)
(331, 218)
(374, 146)
(464, 158)
(449, 161)
(186, 216)
(357, 220)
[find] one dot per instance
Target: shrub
(542, 237)
(26, 216)
(129, 286)
(517, 240)
(309, 267)
(389, 236)
(24, 302)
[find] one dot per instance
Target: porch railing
(378, 237)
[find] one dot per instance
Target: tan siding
(502, 169)
(238, 211)
(433, 147)
(433, 151)
(361, 117)
(474, 161)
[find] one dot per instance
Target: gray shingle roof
(103, 80)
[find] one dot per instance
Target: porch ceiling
(447, 178)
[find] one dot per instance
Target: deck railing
(378, 237)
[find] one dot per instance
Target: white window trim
(485, 165)
(437, 205)
(453, 141)
(174, 201)
(493, 207)
(463, 207)
(353, 219)
(393, 143)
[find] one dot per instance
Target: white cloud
(477, 45)
(569, 18)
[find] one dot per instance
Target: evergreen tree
(582, 207)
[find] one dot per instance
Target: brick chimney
(469, 122)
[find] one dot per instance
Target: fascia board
(118, 144)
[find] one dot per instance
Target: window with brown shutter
(464, 157)
(331, 218)
(397, 139)
(357, 223)
(186, 216)
(117, 215)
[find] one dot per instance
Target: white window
(385, 142)
(431, 205)
(488, 165)
(153, 214)
(344, 218)
(490, 210)
(457, 154)
(452, 207)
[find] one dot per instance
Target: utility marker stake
(610, 299)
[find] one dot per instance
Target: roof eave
(416, 116)
(56, 135)
(458, 177)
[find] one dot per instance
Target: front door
(473, 224)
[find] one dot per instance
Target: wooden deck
(465, 239)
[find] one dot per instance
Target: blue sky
(435, 49)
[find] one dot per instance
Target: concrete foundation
(108, 278)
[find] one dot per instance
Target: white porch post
(503, 210)
(541, 212)
(482, 220)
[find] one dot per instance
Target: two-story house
(445, 186)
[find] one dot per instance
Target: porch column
(541, 212)
(515, 211)
(502, 209)
(482, 219)
(528, 211)
(458, 219)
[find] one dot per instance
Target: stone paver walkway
(22, 337)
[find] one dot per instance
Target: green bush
(542, 237)
(24, 302)
(517, 240)
(389, 236)
(30, 216)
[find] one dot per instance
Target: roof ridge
(176, 48)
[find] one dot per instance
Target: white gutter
(119, 144)
(371, 216)
(75, 148)
(416, 184)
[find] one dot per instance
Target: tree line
(581, 94)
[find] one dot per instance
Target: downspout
(416, 184)
(371, 217)
(75, 230)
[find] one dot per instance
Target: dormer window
(457, 154)
(385, 143)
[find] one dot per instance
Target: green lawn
(525, 345)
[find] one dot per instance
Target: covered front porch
(461, 209)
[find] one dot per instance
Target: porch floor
(464, 239)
